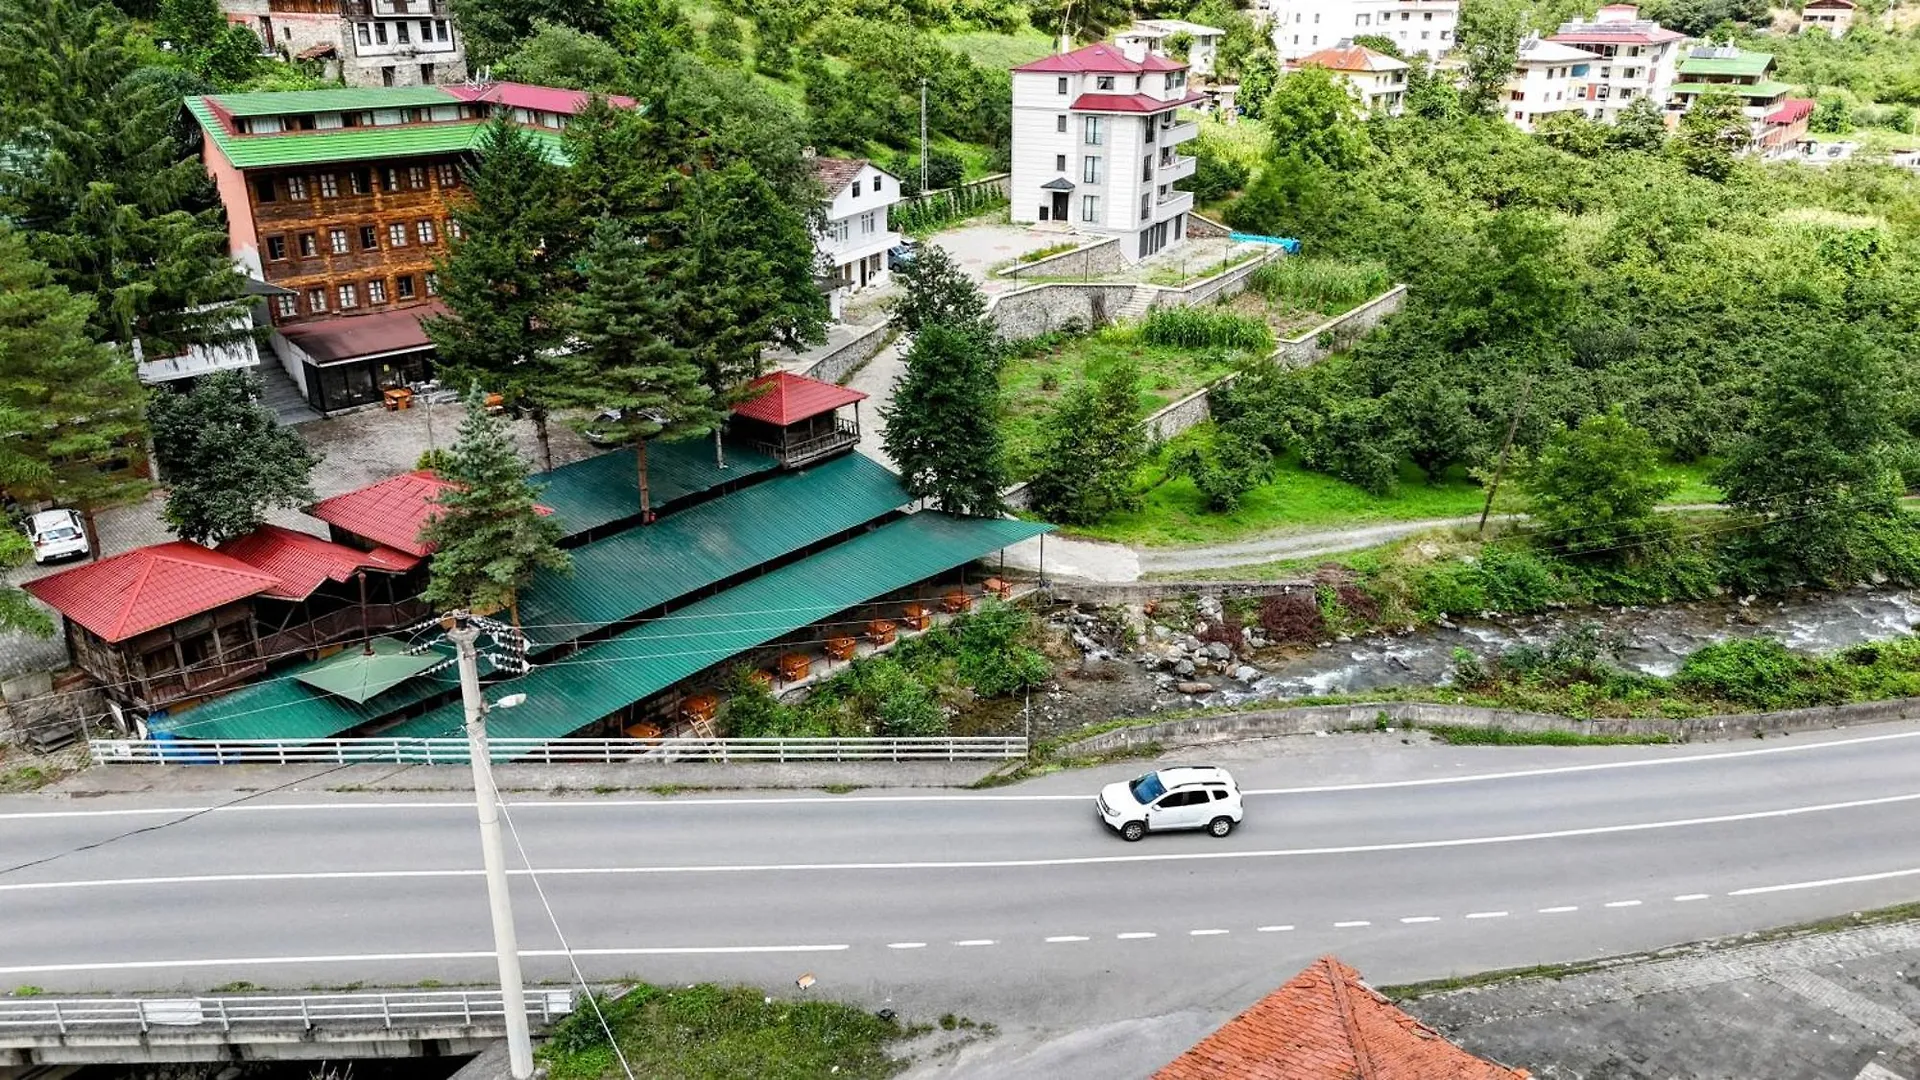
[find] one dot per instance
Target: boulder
(1246, 673)
(1218, 650)
(1184, 667)
(1194, 688)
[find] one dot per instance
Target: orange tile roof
(150, 587)
(1326, 1024)
(1351, 58)
(390, 512)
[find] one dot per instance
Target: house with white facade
(1776, 123)
(1834, 17)
(1096, 137)
(1548, 78)
(1422, 27)
(1377, 81)
(854, 238)
(1638, 58)
(362, 42)
(1157, 35)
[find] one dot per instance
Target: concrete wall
(1340, 331)
(1137, 592)
(1228, 283)
(1305, 720)
(835, 366)
(1092, 260)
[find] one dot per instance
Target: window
(1090, 170)
(876, 184)
(453, 229)
(1060, 85)
(1060, 123)
(286, 306)
(424, 230)
(263, 189)
(1363, 20)
(1429, 16)
(1519, 95)
(426, 75)
(1089, 208)
(426, 29)
(349, 297)
(337, 241)
(361, 181)
(1316, 16)
(1103, 82)
(329, 186)
(403, 287)
(856, 189)
(1148, 788)
(296, 187)
(390, 179)
(309, 245)
(1146, 206)
(380, 33)
(276, 247)
(439, 29)
(369, 238)
(376, 292)
(1059, 163)
(839, 231)
(417, 177)
(316, 300)
(1425, 34)
(364, 33)
(403, 33)
(433, 283)
(396, 235)
(449, 176)
(1445, 34)
(868, 222)
(1093, 131)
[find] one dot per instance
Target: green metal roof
(646, 566)
(282, 102)
(1746, 63)
(353, 144)
(571, 693)
(359, 674)
(1762, 90)
(606, 488)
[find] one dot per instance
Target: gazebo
(797, 419)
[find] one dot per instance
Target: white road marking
(983, 864)
(907, 945)
(1206, 933)
(1622, 903)
(1136, 935)
(1486, 914)
(1561, 910)
(1273, 929)
(1350, 924)
(1421, 919)
(836, 800)
(361, 958)
(1825, 882)
(973, 943)
(1689, 897)
(1063, 938)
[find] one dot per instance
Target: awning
(358, 337)
(1058, 183)
(362, 673)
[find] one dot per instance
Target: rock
(1083, 642)
(1445, 623)
(1195, 688)
(1246, 673)
(1192, 643)
(1210, 607)
(1184, 667)
(1344, 638)
(1199, 628)
(1218, 650)
(1161, 631)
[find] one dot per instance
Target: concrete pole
(513, 1000)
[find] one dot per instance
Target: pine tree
(225, 458)
(942, 430)
(507, 279)
(487, 529)
(66, 402)
(627, 361)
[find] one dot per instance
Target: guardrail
(549, 751)
(413, 1009)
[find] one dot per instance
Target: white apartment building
(854, 238)
(1095, 143)
(1548, 77)
(363, 42)
(1416, 27)
(1637, 58)
(1155, 35)
(1376, 80)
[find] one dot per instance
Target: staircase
(1136, 306)
(282, 394)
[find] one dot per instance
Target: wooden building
(796, 419)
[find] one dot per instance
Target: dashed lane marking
(1486, 914)
(1063, 938)
(1273, 929)
(1136, 935)
(1421, 919)
(1349, 924)
(1689, 897)
(1561, 910)
(1622, 903)
(973, 943)
(1207, 933)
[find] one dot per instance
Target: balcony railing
(795, 452)
(1173, 202)
(392, 8)
(1179, 133)
(348, 622)
(1178, 169)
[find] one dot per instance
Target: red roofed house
(1095, 138)
(1326, 1024)
(1379, 81)
(328, 592)
(1638, 58)
(796, 419)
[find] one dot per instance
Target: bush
(995, 653)
(1199, 328)
(1222, 463)
(1759, 672)
(1292, 617)
(434, 460)
(1503, 578)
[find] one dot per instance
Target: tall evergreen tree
(67, 403)
(225, 458)
(487, 530)
(506, 281)
(627, 361)
(942, 429)
(107, 192)
(1093, 448)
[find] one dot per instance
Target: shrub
(435, 460)
(995, 653)
(1198, 328)
(1326, 284)
(1222, 463)
(1292, 617)
(1754, 671)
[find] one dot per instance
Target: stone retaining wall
(1340, 331)
(835, 366)
(1041, 309)
(1310, 719)
(1097, 259)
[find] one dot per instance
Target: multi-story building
(1423, 27)
(1637, 58)
(1157, 35)
(1376, 80)
(363, 42)
(1833, 16)
(853, 238)
(1095, 142)
(339, 200)
(1775, 122)
(1548, 77)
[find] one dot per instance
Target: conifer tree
(942, 430)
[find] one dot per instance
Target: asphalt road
(1013, 905)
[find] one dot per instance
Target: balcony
(1172, 204)
(802, 444)
(1178, 133)
(362, 9)
(1175, 167)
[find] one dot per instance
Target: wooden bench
(842, 648)
(795, 667)
(918, 616)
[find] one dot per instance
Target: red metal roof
(1352, 58)
(789, 399)
(390, 512)
(1102, 58)
(150, 587)
(1791, 111)
(1130, 103)
(1326, 1024)
(347, 337)
(303, 562)
(525, 96)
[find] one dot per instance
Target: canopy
(361, 673)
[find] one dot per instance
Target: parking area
(982, 245)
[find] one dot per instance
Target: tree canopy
(942, 428)
(225, 458)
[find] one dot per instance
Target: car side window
(1219, 793)
(1183, 798)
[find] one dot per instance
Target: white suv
(1181, 797)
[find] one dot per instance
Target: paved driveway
(979, 248)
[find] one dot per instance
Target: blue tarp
(1284, 243)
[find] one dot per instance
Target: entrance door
(1059, 206)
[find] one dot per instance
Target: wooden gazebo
(797, 419)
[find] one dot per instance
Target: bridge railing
(395, 1010)
(550, 751)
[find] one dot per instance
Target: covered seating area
(797, 419)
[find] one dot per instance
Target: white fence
(400, 1010)
(550, 751)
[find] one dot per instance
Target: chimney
(1133, 48)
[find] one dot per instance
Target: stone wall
(1042, 309)
(1229, 282)
(1093, 260)
(1138, 592)
(1205, 228)
(835, 366)
(1310, 719)
(1340, 331)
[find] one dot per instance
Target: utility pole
(923, 134)
(1506, 448)
(513, 1000)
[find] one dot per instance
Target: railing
(107, 1015)
(549, 751)
(1179, 133)
(801, 451)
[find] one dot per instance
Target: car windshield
(61, 532)
(1147, 788)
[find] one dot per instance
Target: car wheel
(1221, 826)
(1133, 830)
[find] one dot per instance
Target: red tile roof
(524, 96)
(1791, 111)
(789, 399)
(150, 587)
(1130, 103)
(836, 173)
(1328, 1025)
(346, 337)
(1102, 58)
(303, 562)
(390, 512)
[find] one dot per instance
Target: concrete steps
(282, 394)
(1136, 306)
